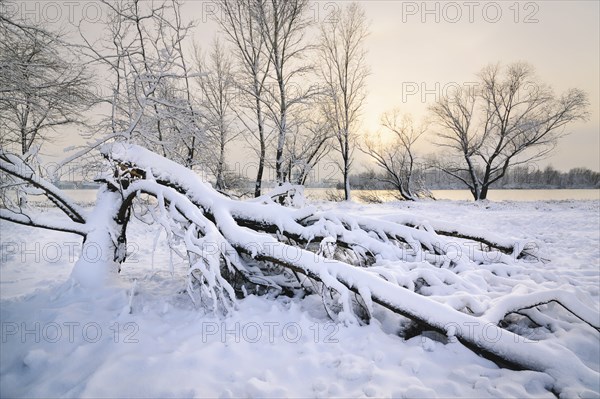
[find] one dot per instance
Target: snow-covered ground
(60, 340)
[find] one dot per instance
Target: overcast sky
(416, 49)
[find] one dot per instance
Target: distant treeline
(516, 178)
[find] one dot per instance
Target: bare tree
(510, 119)
(145, 67)
(283, 26)
(151, 98)
(308, 144)
(193, 133)
(397, 158)
(216, 84)
(43, 86)
(238, 23)
(344, 71)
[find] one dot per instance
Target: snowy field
(142, 337)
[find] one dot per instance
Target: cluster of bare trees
(261, 83)
(398, 158)
(293, 100)
(509, 118)
(304, 120)
(43, 86)
(43, 89)
(519, 177)
(150, 93)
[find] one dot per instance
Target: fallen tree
(435, 275)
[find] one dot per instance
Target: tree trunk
(475, 190)
(407, 196)
(347, 194)
(259, 173)
(190, 157)
(105, 246)
(484, 192)
(279, 169)
(261, 136)
(220, 167)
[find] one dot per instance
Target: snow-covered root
(302, 241)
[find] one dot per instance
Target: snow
(140, 335)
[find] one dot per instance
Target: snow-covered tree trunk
(104, 246)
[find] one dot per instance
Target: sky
(419, 49)
(411, 52)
